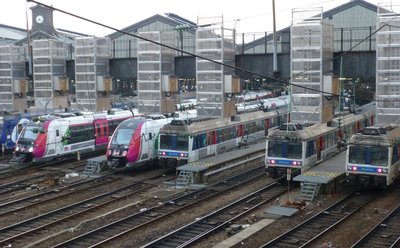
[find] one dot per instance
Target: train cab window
(379, 156)
(182, 143)
(275, 148)
(294, 150)
(356, 154)
(165, 142)
(122, 136)
(285, 149)
(30, 132)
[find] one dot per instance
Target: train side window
(57, 133)
(396, 152)
(150, 136)
(201, 140)
(310, 148)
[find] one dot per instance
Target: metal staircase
(93, 166)
(309, 190)
(185, 178)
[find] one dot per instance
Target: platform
(219, 167)
(209, 162)
(326, 171)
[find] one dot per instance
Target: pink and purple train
(47, 138)
(134, 143)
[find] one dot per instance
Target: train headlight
(17, 148)
(163, 153)
(124, 153)
(272, 161)
(30, 149)
(126, 146)
(354, 168)
(379, 170)
(385, 170)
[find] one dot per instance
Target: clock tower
(42, 19)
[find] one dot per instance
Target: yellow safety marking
(322, 174)
(201, 164)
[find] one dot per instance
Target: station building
(354, 23)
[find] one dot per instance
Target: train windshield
(124, 132)
(284, 149)
(30, 132)
(174, 142)
(371, 155)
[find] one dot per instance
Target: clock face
(39, 19)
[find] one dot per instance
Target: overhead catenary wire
(283, 81)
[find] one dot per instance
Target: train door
(58, 139)
(101, 132)
(212, 142)
(266, 126)
(320, 147)
(149, 139)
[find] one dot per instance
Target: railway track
(18, 170)
(193, 232)
(15, 207)
(109, 233)
(385, 234)
(19, 233)
(37, 177)
(10, 188)
(311, 229)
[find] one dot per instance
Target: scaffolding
(215, 43)
(155, 69)
(388, 65)
(13, 83)
(49, 72)
(93, 83)
(311, 59)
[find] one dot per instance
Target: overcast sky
(253, 15)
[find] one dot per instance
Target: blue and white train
(187, 141)
(300, 147)
(373, 157)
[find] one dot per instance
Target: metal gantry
(92, 73)
(49, 73)
(311, 60)
(13, 85)
(155, 66)
(388, 65)
(215, 43)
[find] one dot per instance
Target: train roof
(194, 126)
(372, 136)
(303, 134)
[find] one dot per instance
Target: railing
(255, 43)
